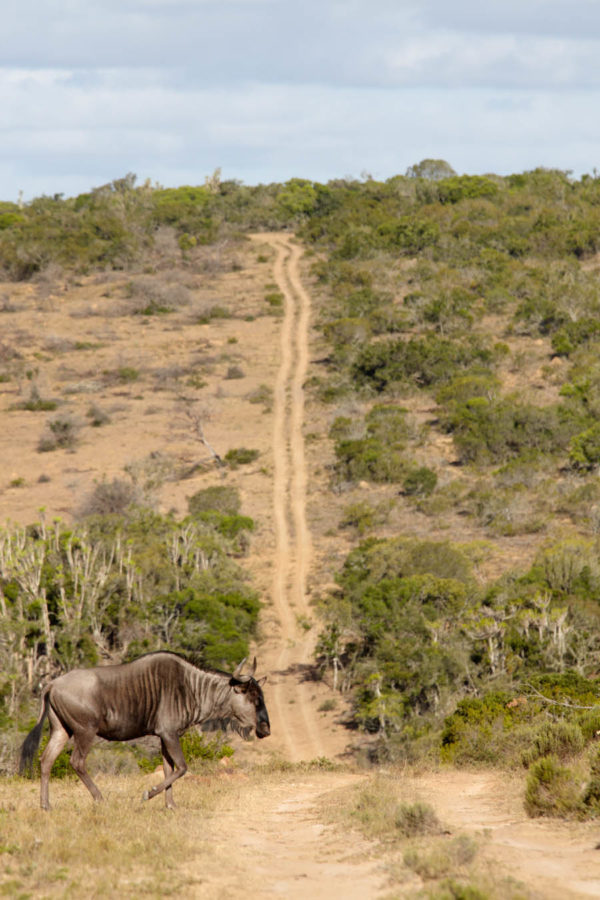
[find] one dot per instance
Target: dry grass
(122, 847)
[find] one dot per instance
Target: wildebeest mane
(194, 659)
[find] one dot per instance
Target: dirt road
(286, 847)
(297, 722)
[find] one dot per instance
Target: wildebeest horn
(238, 671)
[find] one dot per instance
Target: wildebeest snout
(263, 729)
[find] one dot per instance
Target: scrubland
(450, 436)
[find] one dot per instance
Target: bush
(368, 459)
(462, 187)
(263, 394)
(558, 739)
(484, 730)
(419, 482)
(97, 416)
(197, 746)
(241, 456)
(424, 361)
(110, 498)
(274, 299)
(363, 517)
(551, 790)
(487, 431)
(417, 819)
(35, 403)
(377, 456)
(62, 433)
(220, 498)
(127, 374)
(234, 372)
(584, 451)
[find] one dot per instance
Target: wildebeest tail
(32, 741)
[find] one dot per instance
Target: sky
(268, 90)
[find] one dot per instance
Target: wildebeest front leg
(167, 769)
(171, 744)
(82, 742)
(58, 738)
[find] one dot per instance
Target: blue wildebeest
(160, 693)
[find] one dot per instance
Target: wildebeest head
(248, 703)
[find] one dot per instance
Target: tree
(431, 170)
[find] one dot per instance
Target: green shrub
(584, 450)
(127, 374)
(486, 730)
(369, 459)
(558, 739)
(221, 498)
(377, 456)
(441, 860)
(197, 746)
(466, 387)
(573, 334)
(551, 790)
(463, 187)
(408, 234)
(417, 819)
(362, 516)
(419, 482)
(423, 361)
(240, 456)
(263, 394)
(62, 433)
(494, 431)
(35, 403)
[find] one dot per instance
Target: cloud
(358, 43)
(269, 89)
(267, 133)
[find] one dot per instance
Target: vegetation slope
(459, 317)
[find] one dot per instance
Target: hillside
(367, 452)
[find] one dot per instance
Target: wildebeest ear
(241, 687)
(262, 680)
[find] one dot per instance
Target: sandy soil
(284, 848)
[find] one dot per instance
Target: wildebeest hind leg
(82, 742)
(167, 769)
(58, 738)
(171, 744)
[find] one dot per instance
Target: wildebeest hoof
(145, 796)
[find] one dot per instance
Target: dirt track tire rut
(299, 725)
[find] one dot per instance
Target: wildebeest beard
(227, 725)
